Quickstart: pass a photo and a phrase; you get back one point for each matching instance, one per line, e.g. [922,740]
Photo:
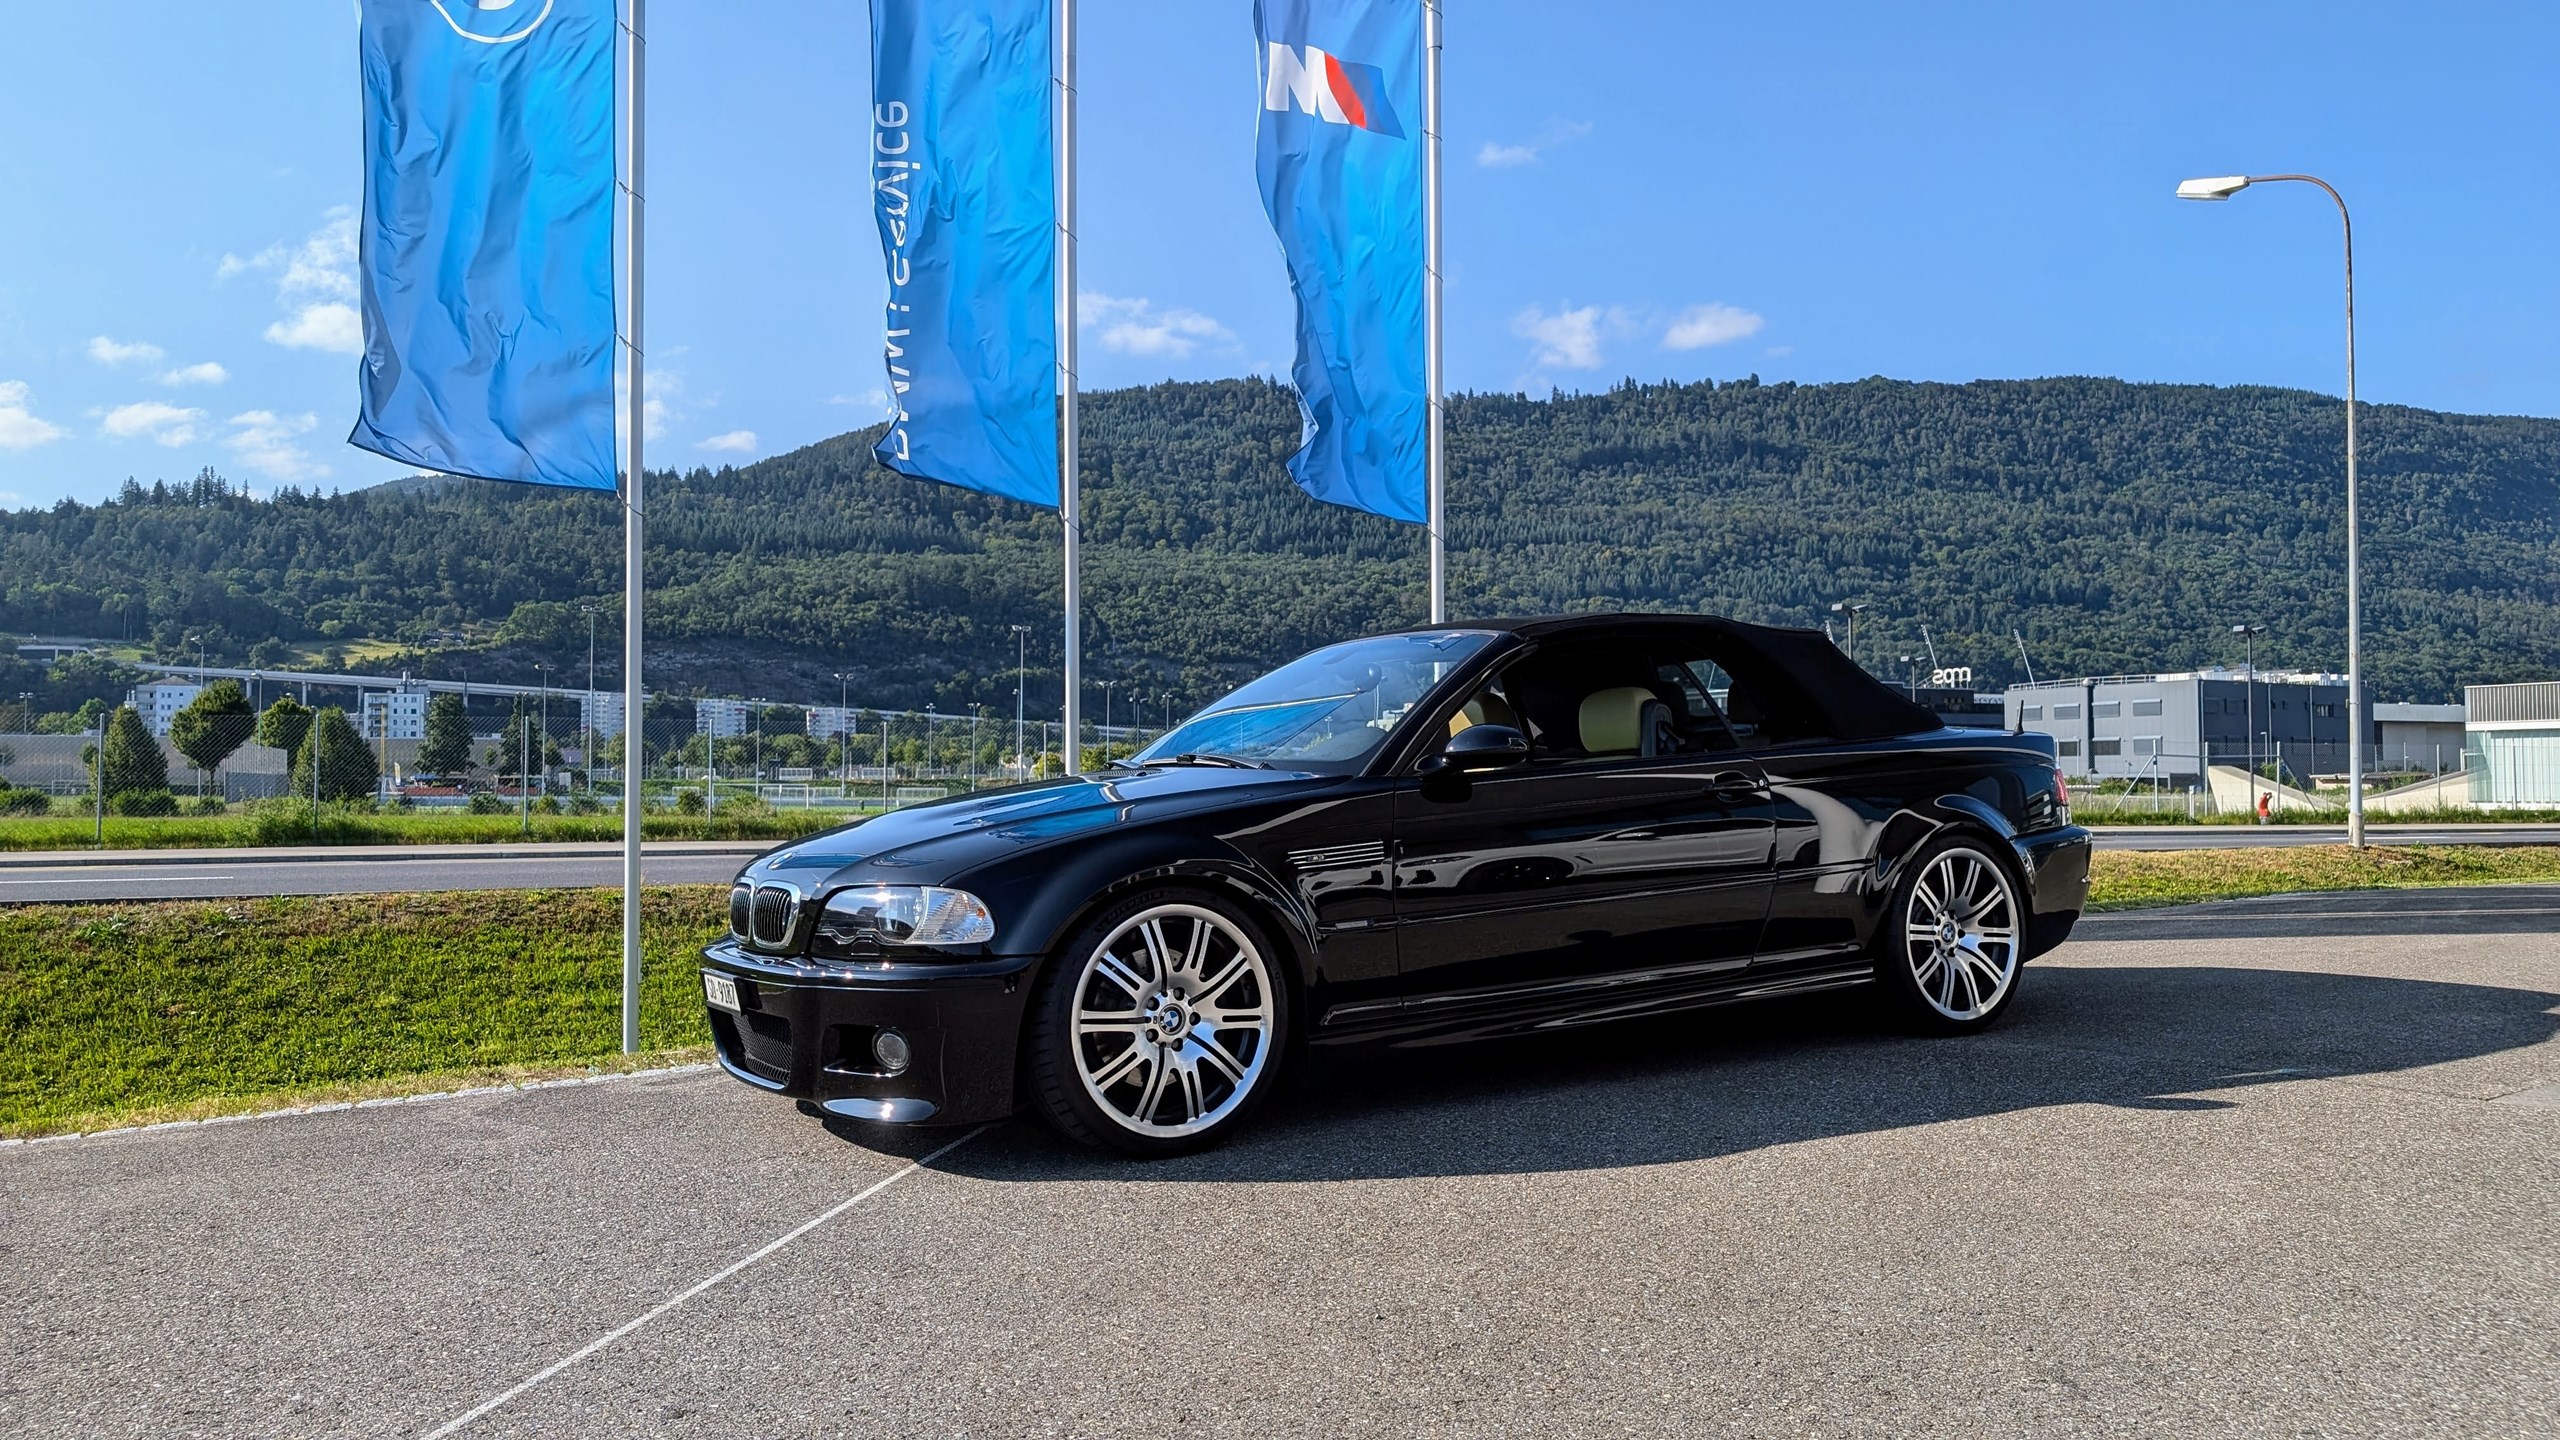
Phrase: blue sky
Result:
[1657,190]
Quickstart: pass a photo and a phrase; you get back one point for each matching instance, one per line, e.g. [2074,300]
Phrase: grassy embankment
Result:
[129,1013]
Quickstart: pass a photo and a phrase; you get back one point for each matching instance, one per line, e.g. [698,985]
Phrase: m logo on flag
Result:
[1334,90]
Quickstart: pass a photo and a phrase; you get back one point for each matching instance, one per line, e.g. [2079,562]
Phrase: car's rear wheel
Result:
[1159,1026]
[1950,951]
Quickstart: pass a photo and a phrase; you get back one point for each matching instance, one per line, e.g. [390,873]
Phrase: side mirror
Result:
[1479,748]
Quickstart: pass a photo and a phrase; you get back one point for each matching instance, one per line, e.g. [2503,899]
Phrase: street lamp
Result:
[2249,705]
[2223,187]
[587,711]
[977,712]
[930,719]
[1021,669]
[844,729]
[1106,720]
[546,726]
[1850,609]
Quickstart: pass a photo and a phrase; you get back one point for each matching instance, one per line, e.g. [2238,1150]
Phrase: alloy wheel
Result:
[1173,1021]
[1960,934]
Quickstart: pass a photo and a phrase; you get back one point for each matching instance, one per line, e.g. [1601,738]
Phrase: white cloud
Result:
[1494,155]
[332,327]
[1700,326]
[120,352]
[1570,339]
[264,441]
[1132,325]
[152,420]
[874,398]
[19,427]
[315,282]
[207,373]
[735,442]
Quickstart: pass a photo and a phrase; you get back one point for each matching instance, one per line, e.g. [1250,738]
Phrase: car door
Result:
[1567,872]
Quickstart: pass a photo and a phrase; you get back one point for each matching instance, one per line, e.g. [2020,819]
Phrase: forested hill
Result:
[2119,527]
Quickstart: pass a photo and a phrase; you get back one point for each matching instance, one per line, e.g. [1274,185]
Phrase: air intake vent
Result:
[1341,857]
[742,910]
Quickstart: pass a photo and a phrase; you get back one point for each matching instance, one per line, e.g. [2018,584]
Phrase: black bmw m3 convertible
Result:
[1467,830]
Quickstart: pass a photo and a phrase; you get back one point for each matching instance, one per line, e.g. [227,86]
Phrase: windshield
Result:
[1328,710]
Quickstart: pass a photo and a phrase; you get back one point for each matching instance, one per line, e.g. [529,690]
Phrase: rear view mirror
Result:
[1483,747]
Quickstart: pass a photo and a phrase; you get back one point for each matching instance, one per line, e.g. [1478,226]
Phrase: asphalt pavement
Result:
[355,870]
[2278,1167]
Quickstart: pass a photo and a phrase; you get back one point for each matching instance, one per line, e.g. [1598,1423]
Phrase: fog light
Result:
[892,1051]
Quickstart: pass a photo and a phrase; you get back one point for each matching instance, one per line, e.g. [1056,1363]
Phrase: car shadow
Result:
[1725,1081]
[2481,910]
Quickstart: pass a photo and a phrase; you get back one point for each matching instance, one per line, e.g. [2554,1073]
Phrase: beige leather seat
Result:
[1486,709]
[1623,720]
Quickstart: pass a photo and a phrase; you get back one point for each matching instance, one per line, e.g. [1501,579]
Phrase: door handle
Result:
[1734,785]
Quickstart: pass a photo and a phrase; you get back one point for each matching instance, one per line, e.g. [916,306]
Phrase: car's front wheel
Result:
[1951,948]
[1159,1026]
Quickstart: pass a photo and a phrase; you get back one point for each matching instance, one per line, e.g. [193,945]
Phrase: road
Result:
[2278,1167]
[211,874]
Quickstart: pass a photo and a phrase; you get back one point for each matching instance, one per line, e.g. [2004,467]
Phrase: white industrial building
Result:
[160,701]
[826,722]
[394,715]
[722,719]
[2514,743]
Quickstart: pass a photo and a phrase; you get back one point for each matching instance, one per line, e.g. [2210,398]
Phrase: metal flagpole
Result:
[1070,487]
[633,699]
[1437,500]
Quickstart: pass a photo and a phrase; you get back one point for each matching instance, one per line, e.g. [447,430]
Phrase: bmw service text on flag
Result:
[487,246]
[1341,166]
[962,185]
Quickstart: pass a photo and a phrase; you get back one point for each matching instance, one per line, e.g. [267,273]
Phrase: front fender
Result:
[1042,897]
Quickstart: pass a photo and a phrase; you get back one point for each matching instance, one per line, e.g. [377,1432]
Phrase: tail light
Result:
[2061,797]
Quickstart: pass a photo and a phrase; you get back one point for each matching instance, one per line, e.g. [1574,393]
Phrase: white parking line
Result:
[591,1347]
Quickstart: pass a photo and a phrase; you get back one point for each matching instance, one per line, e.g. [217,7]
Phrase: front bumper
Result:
[2057,866]
[805,1029]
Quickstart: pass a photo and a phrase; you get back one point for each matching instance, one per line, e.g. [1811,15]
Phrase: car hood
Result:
[925,844]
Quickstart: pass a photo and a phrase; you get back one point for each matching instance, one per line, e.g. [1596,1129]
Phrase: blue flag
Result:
[487,246]
[1340,160]
[965,195]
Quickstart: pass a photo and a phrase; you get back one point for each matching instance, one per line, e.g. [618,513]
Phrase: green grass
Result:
[347,827]
[128,1013]
[113,1013]
[2135,879]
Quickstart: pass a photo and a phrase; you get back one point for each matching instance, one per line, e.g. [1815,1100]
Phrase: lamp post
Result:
[1021,668]
[545,671]
[2223,187]
[932,721]
[2249,705]
[587,711]
[1850,609]
[977,712]
[1106,720]
[844,730]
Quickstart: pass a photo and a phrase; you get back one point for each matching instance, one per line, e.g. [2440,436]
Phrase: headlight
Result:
[856,920]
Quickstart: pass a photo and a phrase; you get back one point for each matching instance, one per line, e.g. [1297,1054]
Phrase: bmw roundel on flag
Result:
[1340,160]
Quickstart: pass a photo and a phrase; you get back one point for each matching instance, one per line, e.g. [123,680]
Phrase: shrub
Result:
[585,805]
[24,802]
[484,803]
[142,802]
[689,802]
[206,805]
[547,805]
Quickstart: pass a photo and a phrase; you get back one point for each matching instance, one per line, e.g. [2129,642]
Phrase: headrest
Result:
[1613,720]
[1486,709]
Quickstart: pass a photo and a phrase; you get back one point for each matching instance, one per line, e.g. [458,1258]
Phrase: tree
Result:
[212,726]
[447,750]
[347,767]
[284,724]
[132,763]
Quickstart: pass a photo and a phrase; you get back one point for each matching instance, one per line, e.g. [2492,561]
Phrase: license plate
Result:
[720,990]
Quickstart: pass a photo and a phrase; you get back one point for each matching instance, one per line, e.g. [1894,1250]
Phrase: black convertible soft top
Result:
[1804,664]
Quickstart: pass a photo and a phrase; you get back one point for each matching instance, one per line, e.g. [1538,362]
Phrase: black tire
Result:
[1159,1026]
[1962,973]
